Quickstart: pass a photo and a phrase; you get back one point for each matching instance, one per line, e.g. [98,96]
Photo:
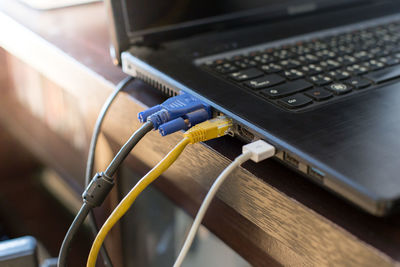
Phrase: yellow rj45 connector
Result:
[208,130]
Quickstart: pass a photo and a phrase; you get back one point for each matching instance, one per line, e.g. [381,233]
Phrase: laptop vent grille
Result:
[156,84]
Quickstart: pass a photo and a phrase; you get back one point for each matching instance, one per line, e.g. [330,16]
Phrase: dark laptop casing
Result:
[354,143]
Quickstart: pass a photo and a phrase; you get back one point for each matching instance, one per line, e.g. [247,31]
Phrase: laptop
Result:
[318,79]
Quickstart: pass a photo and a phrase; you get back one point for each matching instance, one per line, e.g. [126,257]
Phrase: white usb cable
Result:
[256,151]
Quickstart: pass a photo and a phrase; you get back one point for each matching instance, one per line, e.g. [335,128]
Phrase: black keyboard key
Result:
[342,50]
[308,59]
[316,45]
[375,51]
[389,61]
[264,59]
[339,88]
[293,74]
[325,54]
[245,63]
[357,69]
[286,89]
[311,69]
[358,82]
[271,68]
[226,68]
[247,74]
[241,65]
[282,54]
[320,79]
[265,81]
[384,75]
[382,53]
[362,55]
[373,65]
[290,63]
[330,64]
[339,74]
[249,62]
[318,94]
[295,101]
[346,60]
[301,50]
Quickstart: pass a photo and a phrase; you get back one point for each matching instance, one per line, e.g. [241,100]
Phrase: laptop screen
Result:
[149,16]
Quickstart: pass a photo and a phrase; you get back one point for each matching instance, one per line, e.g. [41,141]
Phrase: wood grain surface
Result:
[267,213]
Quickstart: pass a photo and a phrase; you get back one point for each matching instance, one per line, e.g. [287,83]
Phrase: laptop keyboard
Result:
[306,74]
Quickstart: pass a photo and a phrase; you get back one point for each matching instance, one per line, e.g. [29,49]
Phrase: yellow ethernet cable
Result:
[204,131]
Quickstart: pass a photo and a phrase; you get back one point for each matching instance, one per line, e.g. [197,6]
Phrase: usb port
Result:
[315,173]
[291,160]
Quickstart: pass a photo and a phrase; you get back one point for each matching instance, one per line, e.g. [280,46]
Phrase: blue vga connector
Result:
[177,113]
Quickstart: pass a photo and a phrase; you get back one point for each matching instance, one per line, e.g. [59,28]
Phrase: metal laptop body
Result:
[349,146]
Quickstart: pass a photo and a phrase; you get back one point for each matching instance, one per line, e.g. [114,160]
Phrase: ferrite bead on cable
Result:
[98,189]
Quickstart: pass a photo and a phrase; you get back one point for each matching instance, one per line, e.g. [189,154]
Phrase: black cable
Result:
[98,189]
[73,229]
[87,208]
[97,128]
[127,148]
[90,161]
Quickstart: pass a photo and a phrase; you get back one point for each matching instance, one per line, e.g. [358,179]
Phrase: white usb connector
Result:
[260,150]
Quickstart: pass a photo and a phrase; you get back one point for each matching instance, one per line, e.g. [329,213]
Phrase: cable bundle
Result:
[182,112]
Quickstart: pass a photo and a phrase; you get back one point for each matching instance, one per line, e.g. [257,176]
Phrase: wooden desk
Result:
[268,214]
